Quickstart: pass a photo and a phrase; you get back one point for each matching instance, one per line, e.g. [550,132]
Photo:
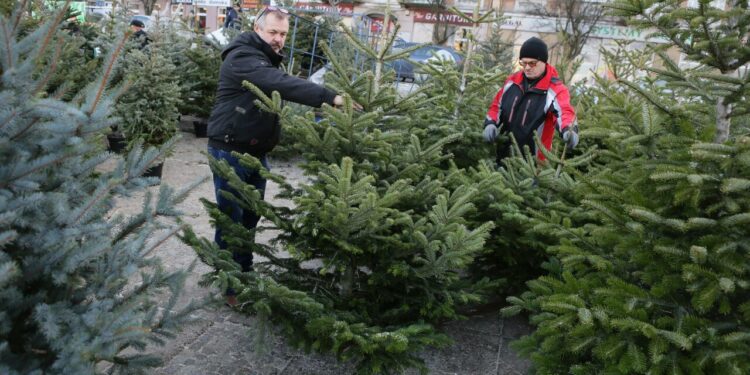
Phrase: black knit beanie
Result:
[534,48]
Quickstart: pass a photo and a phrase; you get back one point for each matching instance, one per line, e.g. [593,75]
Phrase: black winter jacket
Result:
[236,123]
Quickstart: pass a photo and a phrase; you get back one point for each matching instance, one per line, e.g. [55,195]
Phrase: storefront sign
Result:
[189,2]
[213,3]
[424,16]
[251,4]
[618,32]
[345,10]
[550,25]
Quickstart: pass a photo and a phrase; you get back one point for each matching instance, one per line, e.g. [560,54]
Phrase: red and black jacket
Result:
[542,108]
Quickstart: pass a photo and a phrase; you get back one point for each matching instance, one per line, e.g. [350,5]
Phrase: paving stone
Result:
[510,363]
[516,327]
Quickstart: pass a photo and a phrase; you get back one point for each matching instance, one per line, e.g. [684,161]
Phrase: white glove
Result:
[490,132]
[570,136]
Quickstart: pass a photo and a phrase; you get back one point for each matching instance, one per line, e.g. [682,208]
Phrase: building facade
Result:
[430,21]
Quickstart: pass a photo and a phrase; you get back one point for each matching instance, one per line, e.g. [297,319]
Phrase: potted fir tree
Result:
[202,78]
[148,110]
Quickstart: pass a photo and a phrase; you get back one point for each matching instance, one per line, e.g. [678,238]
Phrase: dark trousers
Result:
[248,219]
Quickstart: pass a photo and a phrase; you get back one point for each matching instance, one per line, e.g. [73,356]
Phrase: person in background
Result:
[140,35]
[232,20]
[237,124]
[533,99]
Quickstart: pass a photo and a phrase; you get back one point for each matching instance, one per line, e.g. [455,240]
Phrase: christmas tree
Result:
[654,279]
[378,242]
[147,111]
[80,290]
[200,77]
[512,193]
[495,49]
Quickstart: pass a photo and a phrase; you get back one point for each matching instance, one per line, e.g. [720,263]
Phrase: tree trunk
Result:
[347,280]
[723,123]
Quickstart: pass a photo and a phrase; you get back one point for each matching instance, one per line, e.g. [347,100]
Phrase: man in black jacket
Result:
[237,124]
[139,35]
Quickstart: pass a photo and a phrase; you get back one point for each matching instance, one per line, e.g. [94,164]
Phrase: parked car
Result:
[223,36]
[404,68]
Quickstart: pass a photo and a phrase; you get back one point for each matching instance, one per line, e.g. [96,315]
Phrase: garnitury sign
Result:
[425,16]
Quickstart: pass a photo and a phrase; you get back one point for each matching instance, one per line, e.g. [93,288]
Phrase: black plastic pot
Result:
[154,171]
[117,143]
[200,129]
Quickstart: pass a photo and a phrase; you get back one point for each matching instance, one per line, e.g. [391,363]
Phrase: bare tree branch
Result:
[575,20]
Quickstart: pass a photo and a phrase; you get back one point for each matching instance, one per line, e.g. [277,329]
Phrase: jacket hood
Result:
[252,39]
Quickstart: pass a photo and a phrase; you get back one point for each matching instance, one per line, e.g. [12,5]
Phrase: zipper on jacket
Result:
[512,109]
[525,112]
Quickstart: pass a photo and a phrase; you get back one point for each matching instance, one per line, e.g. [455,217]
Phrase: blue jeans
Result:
[248,219]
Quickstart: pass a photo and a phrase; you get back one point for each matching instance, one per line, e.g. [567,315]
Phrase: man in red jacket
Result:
[533,99]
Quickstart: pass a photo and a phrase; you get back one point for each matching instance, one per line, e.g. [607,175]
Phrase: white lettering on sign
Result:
[430,17]
[549,25]
[344,9]
[213,3]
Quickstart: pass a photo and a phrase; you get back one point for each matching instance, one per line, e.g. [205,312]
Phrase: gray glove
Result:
[490,132]
[570,136]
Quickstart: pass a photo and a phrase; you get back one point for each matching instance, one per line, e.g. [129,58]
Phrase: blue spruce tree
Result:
[78,286]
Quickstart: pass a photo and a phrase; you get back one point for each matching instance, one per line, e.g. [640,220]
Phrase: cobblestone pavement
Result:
[222,341]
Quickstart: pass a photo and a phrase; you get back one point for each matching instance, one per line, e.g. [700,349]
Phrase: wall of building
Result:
[417,20]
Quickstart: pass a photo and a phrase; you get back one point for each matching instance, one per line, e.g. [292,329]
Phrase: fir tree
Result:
[510,196]
[379,244]
[714,38]
[200,77]
[76,59]
[495,50]
[80,290]
[148,109]
[654,281]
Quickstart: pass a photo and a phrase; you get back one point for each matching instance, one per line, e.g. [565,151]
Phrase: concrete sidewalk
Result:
[224,342]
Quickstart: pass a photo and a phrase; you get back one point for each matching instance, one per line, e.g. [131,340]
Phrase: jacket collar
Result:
[543,84]
[253,40]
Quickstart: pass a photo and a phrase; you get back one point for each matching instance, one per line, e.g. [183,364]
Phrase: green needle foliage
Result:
[653,280]
[148,109]
[374,252]
[80,289]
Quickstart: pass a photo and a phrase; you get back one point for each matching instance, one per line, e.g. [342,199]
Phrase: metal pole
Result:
[312,55]
[330,39]
[294,37]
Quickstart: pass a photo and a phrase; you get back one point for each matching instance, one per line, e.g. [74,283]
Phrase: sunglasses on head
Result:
[530,64]
[272,9]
